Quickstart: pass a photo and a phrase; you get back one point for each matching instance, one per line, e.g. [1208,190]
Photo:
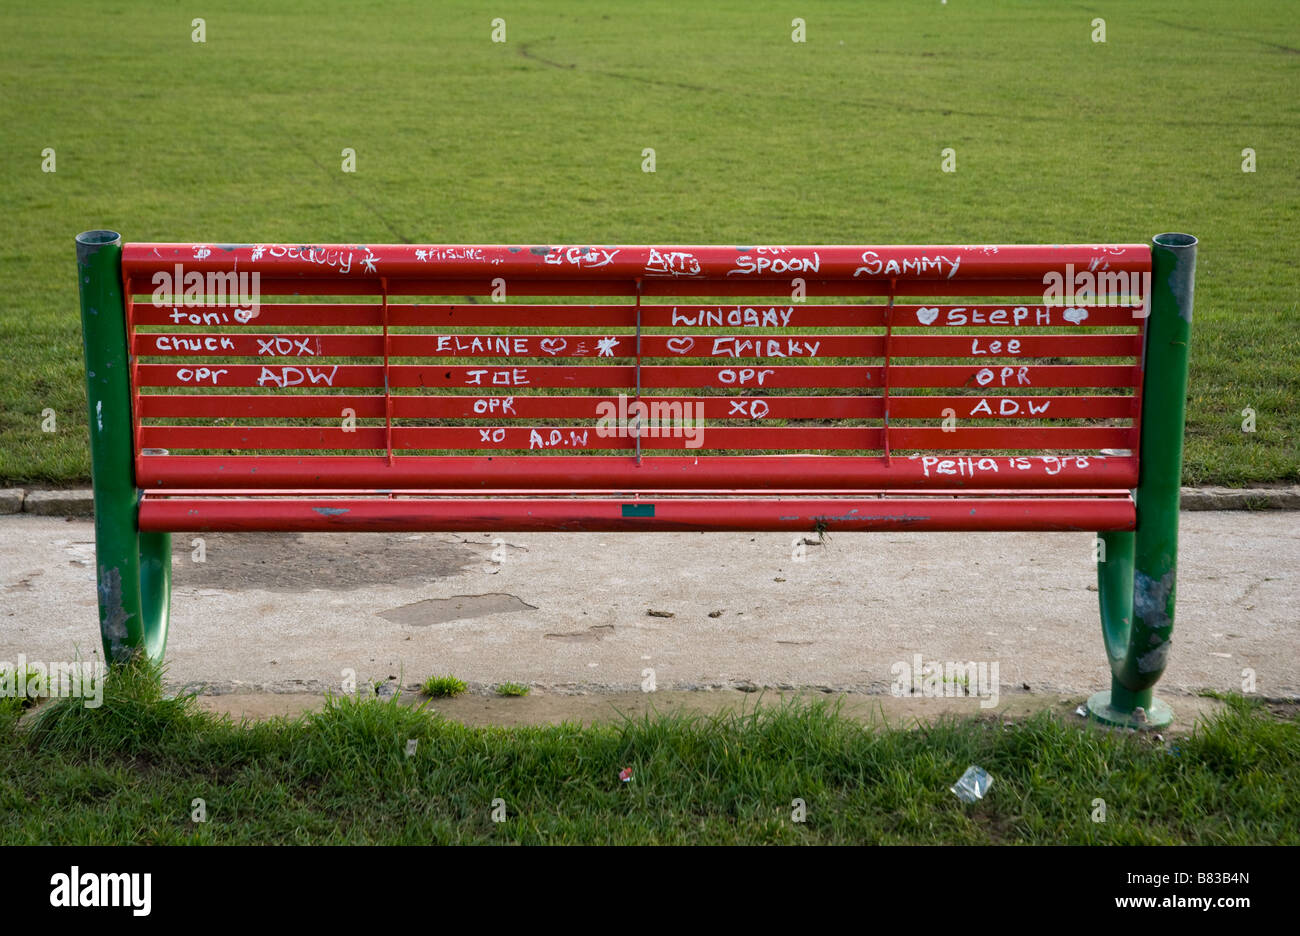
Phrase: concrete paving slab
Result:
[569,612]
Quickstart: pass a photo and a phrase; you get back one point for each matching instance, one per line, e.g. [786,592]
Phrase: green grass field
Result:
[129,772]
[757,138]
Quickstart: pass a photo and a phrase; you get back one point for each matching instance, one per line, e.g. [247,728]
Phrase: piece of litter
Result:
[1082,711]
[972,786]
[653,613]
[625,774]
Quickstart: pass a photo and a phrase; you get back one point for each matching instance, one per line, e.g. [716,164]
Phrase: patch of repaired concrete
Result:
[300,562]
[456,608]
[590,635]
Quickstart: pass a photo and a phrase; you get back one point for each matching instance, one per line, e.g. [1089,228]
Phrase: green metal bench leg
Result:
[155,591]
[1136,582]
[133,569]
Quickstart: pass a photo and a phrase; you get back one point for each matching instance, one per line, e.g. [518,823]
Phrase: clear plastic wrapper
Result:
[972,785]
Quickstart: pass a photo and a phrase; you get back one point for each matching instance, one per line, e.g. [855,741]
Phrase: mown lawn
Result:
[132,771]
[758,139]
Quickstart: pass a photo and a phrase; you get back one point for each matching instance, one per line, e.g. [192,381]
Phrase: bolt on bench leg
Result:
[133,571]
[1136,582]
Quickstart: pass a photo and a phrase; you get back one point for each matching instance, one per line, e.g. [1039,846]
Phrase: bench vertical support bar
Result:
[889,339]
[1137,582]
[129,623]
[639,409]
[388,382]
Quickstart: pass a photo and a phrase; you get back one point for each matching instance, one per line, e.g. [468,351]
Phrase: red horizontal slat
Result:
[290,494]
[682,266]
[619,346]
[262,437]
[740,375]
[259,406]
[280,406]
[1027,289]
[620,315]
[1044,406]
[484,472]
[1012,346]
[976,438]
[538,438]
[560,439]
[569,514]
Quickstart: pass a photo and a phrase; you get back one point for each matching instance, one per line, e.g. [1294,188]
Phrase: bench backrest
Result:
[507,367]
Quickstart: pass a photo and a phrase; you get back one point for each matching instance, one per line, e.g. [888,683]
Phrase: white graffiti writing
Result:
[872,265]
[739,317]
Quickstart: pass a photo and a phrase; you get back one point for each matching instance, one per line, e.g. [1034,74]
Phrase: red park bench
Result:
[276,387]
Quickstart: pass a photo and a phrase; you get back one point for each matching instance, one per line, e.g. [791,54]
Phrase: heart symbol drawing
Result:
[1074,316]
[926,316]
[553,346]
[680,345]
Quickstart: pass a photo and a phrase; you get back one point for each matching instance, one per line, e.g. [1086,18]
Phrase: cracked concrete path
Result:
[572,612]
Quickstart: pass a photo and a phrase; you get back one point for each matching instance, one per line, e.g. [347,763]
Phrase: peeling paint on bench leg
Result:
[331,511]
[113,616]
[1150,598]
[1154,662]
